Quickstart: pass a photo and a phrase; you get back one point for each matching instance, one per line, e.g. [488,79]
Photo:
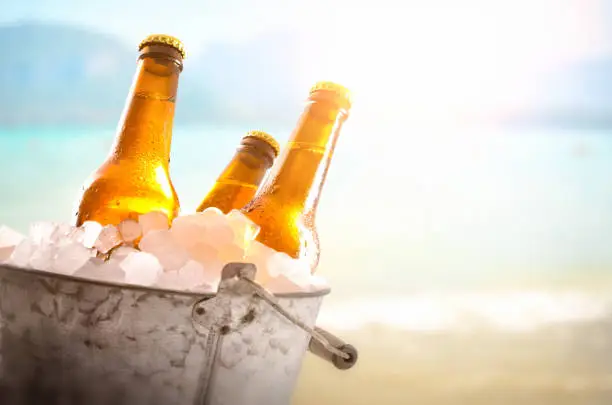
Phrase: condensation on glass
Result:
[285,204]
[238,182]
[135,177]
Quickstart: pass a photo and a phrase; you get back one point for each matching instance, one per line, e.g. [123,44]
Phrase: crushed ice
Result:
[188,255]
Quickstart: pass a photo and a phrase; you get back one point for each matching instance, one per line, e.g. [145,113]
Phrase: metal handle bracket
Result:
[239,279]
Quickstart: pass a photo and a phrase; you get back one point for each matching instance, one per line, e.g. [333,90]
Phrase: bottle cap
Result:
[265,137]
[161,39]
[342,93]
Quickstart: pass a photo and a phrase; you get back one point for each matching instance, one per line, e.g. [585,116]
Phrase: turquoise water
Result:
[402,208]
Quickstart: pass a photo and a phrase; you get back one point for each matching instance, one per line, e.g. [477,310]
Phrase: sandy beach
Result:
[564,364]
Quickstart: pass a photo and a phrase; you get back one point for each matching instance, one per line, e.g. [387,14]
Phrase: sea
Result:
[469,265]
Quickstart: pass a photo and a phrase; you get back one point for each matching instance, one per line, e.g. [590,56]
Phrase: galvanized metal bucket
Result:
[66,340]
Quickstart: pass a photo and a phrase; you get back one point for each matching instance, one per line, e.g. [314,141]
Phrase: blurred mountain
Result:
[57,75]
[65,75]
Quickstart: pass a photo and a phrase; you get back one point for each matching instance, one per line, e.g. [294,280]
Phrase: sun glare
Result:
[446,60]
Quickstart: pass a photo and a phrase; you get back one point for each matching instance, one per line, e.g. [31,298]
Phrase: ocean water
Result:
[402,210]
[471,265]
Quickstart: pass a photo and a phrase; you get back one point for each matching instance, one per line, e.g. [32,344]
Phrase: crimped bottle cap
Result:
[265,137]
[339,91]
[161,39]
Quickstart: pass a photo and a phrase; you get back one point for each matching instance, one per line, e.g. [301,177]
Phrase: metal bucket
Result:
[66,340]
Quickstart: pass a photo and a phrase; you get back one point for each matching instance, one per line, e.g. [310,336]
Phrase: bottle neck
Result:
[145,128]
[299,175]
[247,167]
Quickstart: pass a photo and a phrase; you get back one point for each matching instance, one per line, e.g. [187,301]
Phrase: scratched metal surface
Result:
[68,341]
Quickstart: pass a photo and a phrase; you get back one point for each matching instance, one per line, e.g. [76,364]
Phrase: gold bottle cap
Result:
[340,91]
[161,39]
[265,137]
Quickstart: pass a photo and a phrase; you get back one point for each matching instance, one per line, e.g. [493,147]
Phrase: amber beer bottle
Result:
[240,179]
[134,179]
[285,204]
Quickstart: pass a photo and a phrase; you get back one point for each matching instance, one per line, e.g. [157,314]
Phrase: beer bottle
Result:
[134,179]
[238,183]
[285,204]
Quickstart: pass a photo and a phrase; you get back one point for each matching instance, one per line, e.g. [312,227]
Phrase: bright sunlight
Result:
[449,60]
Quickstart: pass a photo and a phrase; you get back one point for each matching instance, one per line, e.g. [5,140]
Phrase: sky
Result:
[499,50]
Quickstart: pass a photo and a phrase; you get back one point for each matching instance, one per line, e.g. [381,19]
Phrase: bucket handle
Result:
[322,343]
[343,360]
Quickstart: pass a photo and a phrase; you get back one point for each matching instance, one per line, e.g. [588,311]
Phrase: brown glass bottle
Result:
[285,204]
[240,179]
[135,179]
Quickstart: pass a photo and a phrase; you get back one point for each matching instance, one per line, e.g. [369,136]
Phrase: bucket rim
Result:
[147,289]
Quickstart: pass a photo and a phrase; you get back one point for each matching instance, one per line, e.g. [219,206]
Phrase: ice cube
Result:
[212,274]
[188,230]
[5,253]
[9,237]
[70,258]
[129,230]
[122,252]
[160,243]
[44,237]
[192,275]
[205,254]
[219,234]
[97,269]
[141,268]
[231,252]
[244,229]
[189,277]
[211,215]
[42,257]
[75,235]
[297,271]
[63,234]
[91,232]
[153,221]
[42,232]
[109,238]
[170,280]
[282,284]
[21,254]
[259,254]
[208,257]
[277,263]
[202,219]
[317,282]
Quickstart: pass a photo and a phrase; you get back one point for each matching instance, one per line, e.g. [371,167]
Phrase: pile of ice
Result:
[189,255]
